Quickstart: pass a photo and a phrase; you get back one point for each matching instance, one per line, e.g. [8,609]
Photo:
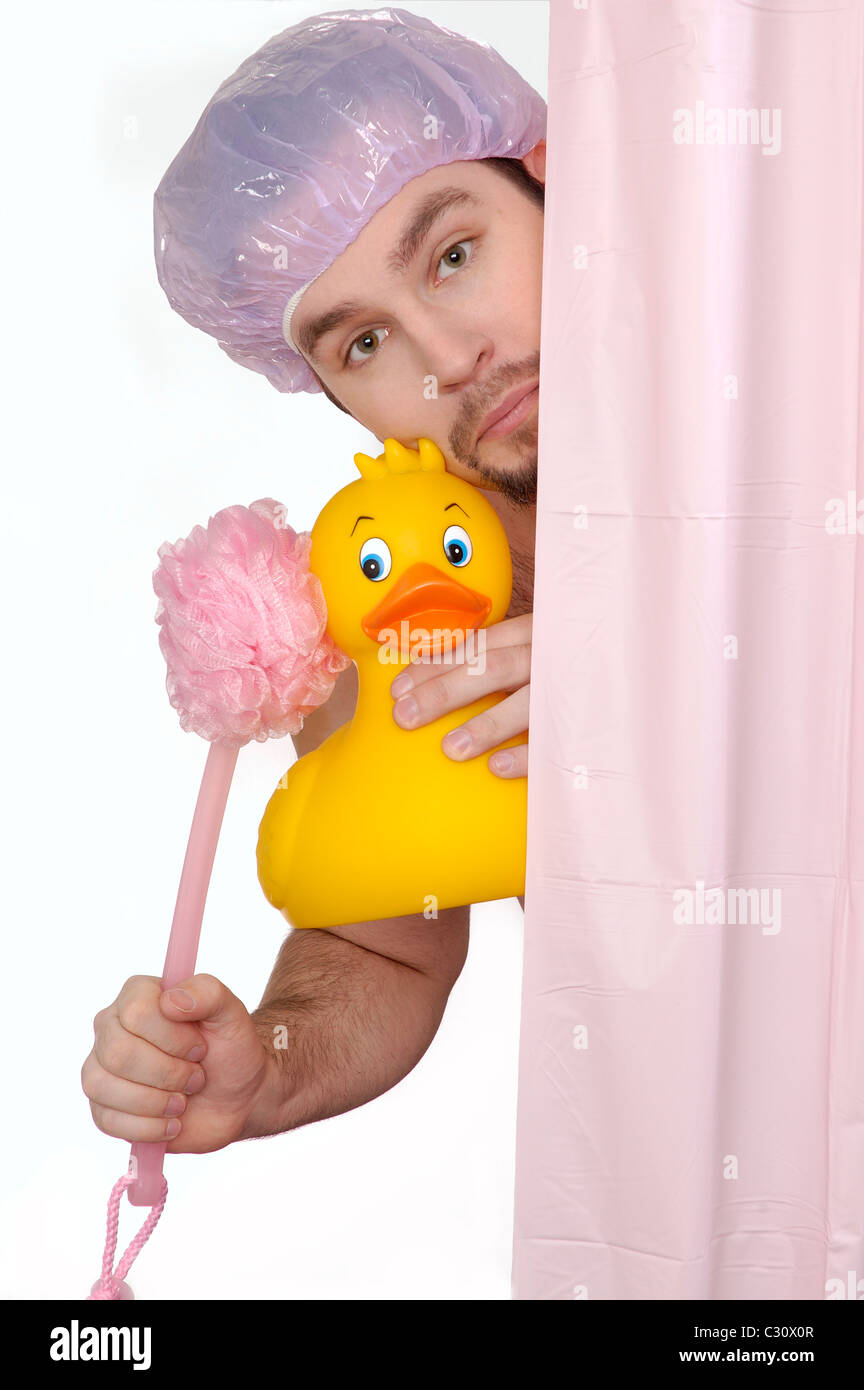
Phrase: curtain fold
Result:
[691,1078]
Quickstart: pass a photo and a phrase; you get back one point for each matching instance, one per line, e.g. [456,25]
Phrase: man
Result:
[419,317]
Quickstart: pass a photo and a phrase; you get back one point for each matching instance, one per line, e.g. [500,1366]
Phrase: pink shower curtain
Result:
[691,1088]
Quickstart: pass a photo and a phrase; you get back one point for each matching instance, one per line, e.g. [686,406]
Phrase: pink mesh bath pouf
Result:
[242,628]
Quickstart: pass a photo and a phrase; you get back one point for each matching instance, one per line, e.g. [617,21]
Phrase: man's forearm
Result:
[342,1025]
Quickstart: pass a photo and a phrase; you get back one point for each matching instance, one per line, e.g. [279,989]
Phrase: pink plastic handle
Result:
[147,1159]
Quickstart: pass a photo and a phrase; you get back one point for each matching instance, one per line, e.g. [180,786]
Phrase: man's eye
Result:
[366,344]
[454,258]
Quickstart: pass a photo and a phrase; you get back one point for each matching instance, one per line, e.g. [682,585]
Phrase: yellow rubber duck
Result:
[378,821]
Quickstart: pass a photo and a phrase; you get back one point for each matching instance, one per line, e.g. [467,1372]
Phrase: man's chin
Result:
[507,466]
[519,486]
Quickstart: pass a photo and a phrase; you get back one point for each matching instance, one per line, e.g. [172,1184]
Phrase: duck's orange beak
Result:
[428,599]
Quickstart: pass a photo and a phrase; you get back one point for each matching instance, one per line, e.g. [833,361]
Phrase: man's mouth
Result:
[430,600]
[512,410]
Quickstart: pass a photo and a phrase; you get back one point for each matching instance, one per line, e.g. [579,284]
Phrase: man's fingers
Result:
[111,1096]
[130,1058]
[135,1129]
[504,668]
[513,632]
[503,721]
[138,1010]
[510,762]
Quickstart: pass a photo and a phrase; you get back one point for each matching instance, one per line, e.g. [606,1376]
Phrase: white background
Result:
[126,428]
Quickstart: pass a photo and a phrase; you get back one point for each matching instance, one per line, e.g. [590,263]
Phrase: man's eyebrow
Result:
[422,222]
[412,237]
[360,518]
[456,504]
[310,334]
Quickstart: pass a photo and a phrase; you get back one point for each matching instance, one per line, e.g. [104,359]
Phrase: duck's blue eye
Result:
[375,559]
[457,545]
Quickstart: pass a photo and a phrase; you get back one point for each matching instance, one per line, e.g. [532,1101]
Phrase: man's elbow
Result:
[436,947]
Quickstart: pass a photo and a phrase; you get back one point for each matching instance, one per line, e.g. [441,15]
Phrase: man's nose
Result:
[452,349]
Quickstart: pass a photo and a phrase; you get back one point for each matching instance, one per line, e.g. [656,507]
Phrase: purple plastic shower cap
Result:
[300,148]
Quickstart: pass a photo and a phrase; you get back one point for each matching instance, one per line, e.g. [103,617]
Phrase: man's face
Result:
[443,324]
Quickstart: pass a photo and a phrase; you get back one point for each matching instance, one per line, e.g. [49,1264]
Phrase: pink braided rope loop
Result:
[110,1285]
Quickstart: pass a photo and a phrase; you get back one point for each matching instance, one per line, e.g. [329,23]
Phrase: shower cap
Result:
[301,146]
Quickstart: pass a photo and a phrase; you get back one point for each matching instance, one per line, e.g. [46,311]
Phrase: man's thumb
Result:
[202,998]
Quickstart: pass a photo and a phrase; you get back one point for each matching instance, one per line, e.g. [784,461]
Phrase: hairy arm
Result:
[349,1011]
[343,1019]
